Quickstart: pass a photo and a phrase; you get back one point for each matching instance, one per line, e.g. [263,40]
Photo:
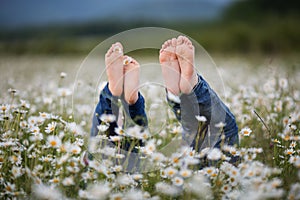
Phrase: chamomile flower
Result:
[226,188]
[119,131]
[16,171]
[185,173]
[102,127]
[170,171]
[53,141]
[178,181]
[115,138]
[68,181]
[246,131]
[177,130]
[50,127]
[75,149]
[108,118]
[290,151]
[150,147]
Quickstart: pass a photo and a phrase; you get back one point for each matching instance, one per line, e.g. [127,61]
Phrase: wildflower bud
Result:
[12,91]
[63,75]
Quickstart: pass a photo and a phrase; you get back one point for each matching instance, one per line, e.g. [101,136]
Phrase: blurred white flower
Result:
[119,131]
[108,118]
[115,138]
[16,171]
[74,129]
[220,125]
[173,97]
[178,181]
[63,74]
[42,191]
[64,92]
[283,83]
[150,147]
[125,179]
[166,189]
[102,127]
[201,118]
[68,181]
[214,154]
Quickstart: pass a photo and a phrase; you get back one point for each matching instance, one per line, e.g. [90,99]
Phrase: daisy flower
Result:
[178,181]
[102,127]
[150,147]
[115,138]
[170,171]
[75,149]
[50,127]
[16,171]
[108,118]
[54,141]
[246,131]
[68,181]
[185,173]
[119,131]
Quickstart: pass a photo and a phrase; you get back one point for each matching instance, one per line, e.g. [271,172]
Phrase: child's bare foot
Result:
[170,66]
[114,68]
[185,53]
[131,79]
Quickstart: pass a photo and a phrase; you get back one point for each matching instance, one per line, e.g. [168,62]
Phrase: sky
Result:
[22,13]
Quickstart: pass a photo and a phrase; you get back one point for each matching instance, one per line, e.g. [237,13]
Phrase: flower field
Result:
[44,133]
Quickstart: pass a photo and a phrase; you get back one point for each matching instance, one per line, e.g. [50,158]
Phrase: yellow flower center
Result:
[53,143]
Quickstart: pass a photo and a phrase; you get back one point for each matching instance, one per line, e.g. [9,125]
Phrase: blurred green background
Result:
[220,26]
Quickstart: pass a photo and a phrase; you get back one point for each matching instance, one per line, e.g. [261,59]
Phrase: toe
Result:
[180,40]
[173,42]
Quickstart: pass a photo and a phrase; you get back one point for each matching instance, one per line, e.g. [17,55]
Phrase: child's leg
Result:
[134,104]
[199,99]
[108,100]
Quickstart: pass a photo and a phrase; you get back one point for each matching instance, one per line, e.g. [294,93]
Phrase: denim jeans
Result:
[202,101]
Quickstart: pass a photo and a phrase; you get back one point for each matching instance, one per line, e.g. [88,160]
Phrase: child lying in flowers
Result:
[188,94]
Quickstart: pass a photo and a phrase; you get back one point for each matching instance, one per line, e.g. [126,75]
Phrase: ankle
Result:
[132,99]
[114,91]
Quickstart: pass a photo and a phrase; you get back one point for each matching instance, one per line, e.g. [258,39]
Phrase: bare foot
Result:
[185,53]
[114,68]
[131,79]
[170,66]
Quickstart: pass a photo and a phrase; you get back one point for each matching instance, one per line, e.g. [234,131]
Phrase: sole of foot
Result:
[185,52]
[114,68]
[131,80]
[170,66]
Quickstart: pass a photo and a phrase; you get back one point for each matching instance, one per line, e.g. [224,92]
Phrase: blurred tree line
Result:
[246,26]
